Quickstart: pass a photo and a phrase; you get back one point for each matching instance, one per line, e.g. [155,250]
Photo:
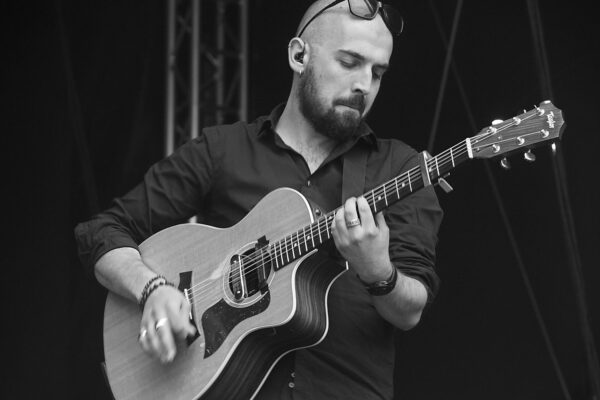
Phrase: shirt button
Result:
[291,385]
[293,374]
[308,182]
[317,212]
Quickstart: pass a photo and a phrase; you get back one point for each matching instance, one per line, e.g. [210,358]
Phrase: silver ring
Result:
[160,323]
[142,334]
[353,222]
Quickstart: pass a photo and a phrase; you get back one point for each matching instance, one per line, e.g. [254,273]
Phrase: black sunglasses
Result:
[368,9]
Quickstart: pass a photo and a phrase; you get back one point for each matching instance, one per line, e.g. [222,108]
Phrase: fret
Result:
[319,230]
[303,241]
[275,253]
[373,200]
[293,246]
[281,252]
[304,234]
[385,196]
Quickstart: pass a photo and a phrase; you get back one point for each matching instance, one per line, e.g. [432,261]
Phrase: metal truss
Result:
[207,66]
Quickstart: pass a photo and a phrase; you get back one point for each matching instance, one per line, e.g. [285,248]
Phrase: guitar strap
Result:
[354,172]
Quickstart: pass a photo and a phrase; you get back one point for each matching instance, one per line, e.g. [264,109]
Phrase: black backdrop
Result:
[83,75]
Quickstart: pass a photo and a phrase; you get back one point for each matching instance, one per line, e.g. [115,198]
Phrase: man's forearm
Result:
[403,306]
[123,272]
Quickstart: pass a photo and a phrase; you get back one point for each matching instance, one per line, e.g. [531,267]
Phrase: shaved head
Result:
[339,61]
[318,28]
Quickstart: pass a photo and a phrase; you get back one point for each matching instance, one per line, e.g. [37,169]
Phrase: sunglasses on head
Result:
[368,9]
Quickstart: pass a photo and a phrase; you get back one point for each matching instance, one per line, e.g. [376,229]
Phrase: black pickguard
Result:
[221,318]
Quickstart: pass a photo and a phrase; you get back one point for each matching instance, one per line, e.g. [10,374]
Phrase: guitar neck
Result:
[381,197]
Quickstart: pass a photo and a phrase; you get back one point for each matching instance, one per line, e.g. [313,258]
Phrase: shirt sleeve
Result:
[414,224]
[171,192]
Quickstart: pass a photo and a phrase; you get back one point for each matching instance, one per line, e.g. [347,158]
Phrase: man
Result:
[341,51]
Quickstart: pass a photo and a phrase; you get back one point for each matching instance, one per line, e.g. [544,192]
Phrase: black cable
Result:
[506,222]
[447,62]
[560,178]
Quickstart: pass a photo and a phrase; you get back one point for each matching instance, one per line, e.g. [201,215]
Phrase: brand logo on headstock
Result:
[550,120]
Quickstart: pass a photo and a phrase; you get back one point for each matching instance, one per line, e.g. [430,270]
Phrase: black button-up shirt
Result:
[222,174]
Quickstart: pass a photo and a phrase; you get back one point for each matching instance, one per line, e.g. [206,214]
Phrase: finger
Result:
[380,220]
[350,211]
[180,321]
[185,310]
[339,228]
[146,335]
[165,339]
[143,339]
[153,341]
[366,216]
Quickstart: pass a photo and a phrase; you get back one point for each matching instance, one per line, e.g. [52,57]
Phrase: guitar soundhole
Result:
[249,273]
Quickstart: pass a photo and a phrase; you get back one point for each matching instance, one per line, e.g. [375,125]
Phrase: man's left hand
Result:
[362,239]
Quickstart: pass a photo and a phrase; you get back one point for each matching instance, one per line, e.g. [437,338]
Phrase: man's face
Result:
[343,75]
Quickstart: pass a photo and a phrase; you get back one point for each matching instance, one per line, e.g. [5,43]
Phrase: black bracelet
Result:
[152,289]
[147,286]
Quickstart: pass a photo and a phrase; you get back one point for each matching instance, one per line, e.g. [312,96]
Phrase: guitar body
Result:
[240,339]
[249,313]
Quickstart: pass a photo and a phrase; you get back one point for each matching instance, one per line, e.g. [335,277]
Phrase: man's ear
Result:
[297,55]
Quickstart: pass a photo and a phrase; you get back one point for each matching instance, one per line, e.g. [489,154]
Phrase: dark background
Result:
[90,75]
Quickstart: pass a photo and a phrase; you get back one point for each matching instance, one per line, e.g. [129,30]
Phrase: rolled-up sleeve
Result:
[414,223]
[171,192]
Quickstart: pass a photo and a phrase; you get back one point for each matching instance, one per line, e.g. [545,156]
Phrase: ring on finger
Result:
[353,222]
[160,323]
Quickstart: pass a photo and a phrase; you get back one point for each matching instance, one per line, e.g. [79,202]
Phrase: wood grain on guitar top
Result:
[295,315]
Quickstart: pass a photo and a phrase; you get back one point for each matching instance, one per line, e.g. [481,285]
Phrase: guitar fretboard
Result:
[310,237]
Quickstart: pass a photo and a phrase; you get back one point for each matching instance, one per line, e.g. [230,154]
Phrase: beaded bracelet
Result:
[150,286]
[152,289]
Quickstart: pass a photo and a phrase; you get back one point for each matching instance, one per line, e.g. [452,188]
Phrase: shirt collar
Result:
[366,134]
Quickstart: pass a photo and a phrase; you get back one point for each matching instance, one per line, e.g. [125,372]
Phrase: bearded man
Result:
[311,144]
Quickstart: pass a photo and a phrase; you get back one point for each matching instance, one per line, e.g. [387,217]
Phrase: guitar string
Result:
[284,251]
[433,162]
[252,263]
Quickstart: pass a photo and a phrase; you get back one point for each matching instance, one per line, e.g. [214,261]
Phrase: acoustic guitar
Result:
[253,299]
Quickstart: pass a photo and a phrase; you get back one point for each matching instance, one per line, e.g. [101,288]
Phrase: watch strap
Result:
[381,288]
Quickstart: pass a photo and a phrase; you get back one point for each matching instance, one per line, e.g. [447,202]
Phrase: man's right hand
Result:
[165,320]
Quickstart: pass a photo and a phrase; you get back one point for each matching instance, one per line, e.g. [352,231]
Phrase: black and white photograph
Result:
[301,200]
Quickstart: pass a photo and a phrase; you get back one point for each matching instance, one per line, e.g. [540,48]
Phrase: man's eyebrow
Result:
[360,57]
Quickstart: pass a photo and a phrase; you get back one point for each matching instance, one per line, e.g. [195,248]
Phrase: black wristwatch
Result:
[381,288]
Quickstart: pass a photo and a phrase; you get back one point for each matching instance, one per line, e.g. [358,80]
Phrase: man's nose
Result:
[362,82]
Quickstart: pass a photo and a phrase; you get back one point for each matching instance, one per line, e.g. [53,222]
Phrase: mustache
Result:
[356,101]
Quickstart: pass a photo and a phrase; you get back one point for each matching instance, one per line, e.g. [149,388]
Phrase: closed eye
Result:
[348,63]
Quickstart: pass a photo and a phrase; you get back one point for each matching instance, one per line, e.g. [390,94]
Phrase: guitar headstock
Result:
[520,133]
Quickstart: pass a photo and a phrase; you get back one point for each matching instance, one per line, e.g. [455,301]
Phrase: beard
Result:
[336,125]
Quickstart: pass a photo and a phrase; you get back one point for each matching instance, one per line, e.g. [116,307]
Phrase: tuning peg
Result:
[529,156]
[504,163]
